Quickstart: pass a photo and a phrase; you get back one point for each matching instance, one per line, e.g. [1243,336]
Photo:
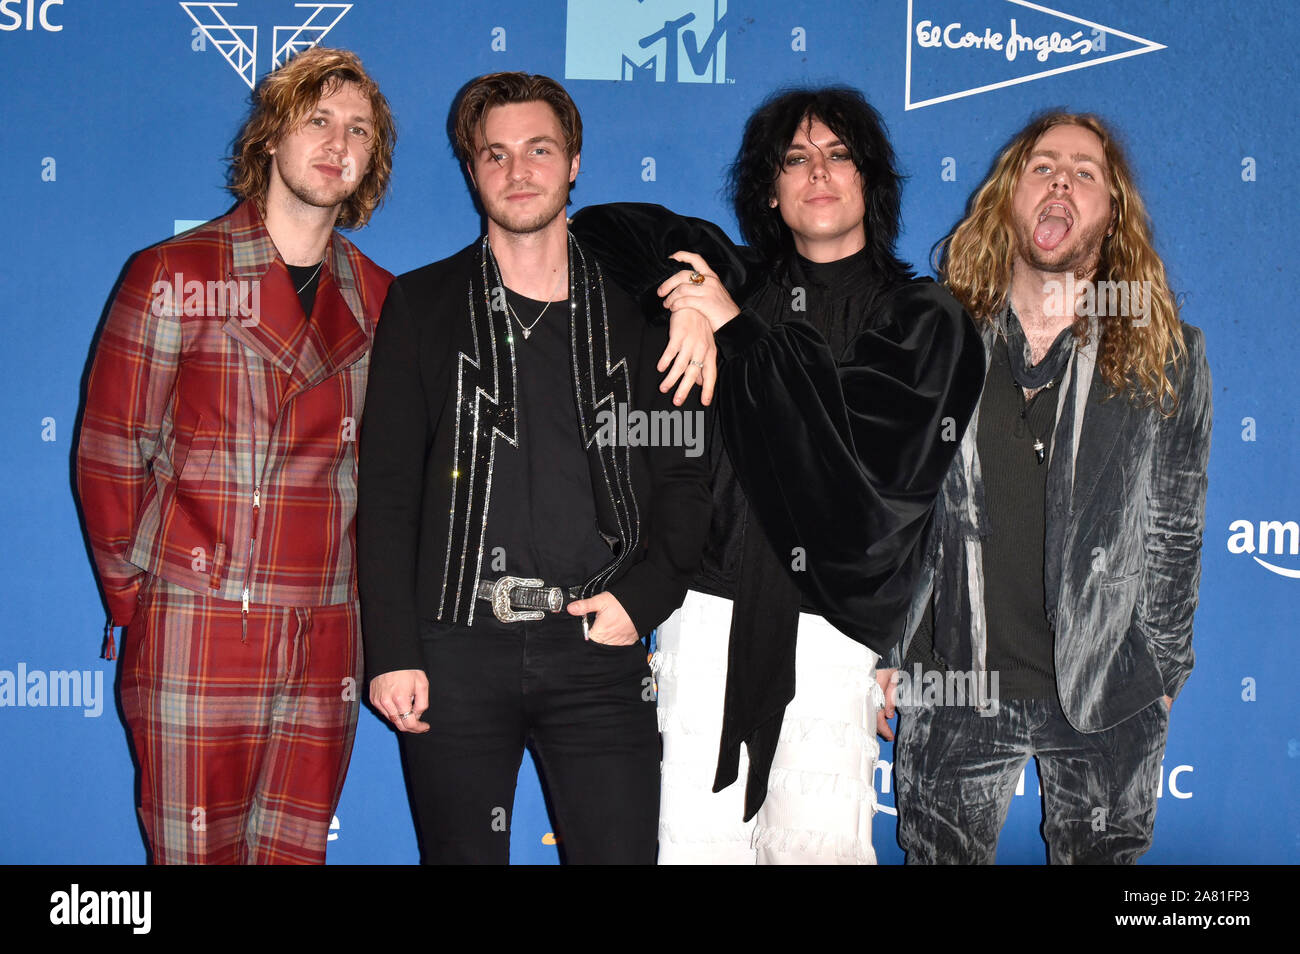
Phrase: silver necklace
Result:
[528,329]
[313,276]
[1040,449]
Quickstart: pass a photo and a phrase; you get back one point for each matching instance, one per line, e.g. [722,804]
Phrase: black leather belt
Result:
[517,599]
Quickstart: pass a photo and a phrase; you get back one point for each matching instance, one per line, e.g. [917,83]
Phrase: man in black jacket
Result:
[503,503]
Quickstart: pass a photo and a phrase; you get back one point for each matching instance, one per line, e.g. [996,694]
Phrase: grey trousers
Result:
[956,771]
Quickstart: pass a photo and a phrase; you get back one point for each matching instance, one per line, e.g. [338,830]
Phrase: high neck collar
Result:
[839,278]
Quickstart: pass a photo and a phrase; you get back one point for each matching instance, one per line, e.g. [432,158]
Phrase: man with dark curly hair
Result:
[217,475]
[843,386]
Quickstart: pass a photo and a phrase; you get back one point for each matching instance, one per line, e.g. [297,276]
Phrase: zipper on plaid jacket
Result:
[252,541]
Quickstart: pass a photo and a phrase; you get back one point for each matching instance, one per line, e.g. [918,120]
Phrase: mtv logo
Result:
[662,41]
[643,71]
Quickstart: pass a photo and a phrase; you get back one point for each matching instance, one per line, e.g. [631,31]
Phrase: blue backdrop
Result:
[118,114]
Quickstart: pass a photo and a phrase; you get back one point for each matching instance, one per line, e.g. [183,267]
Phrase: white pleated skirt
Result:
[820,795]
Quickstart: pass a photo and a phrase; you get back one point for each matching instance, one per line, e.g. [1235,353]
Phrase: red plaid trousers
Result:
[242,741]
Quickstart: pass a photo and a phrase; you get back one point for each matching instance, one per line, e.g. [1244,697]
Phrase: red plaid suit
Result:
[217,475]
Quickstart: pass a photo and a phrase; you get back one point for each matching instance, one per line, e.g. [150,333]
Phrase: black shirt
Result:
[1020,645]
[839,299]
[542,517]
[305,280]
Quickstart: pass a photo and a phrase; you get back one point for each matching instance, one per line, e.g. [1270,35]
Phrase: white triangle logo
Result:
[237,42]
[1076,37]
[307,34]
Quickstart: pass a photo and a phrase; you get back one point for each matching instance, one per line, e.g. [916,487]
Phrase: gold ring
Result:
[697,278]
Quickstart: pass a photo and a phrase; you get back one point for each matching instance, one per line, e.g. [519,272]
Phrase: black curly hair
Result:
[752,179]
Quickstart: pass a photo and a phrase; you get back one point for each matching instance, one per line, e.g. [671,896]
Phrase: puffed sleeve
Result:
[632,241]
[842,460]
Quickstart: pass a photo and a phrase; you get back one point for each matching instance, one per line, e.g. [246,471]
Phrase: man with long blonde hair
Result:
[217,474]
[1066,550]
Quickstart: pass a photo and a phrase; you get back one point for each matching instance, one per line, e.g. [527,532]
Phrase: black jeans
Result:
[587,709]
[955,772]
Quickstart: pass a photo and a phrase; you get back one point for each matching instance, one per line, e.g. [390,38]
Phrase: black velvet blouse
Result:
[841,401]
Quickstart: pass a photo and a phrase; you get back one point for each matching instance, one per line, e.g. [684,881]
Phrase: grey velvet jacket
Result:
[1133,503]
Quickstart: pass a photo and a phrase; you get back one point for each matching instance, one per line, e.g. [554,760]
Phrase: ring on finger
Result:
[403,715]
[696,364]
[696,278]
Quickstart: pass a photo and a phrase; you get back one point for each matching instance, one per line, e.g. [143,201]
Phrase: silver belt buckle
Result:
[502,610]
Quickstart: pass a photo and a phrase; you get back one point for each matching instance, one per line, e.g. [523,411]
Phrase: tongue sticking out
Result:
[1050,232]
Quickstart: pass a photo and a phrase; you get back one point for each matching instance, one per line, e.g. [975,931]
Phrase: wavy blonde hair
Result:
[977,258]
[284,100]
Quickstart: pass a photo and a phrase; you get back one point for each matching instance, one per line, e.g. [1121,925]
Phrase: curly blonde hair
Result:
[1137,360]
[284,100]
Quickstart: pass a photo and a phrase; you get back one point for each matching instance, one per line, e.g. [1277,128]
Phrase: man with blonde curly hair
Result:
[217,474]
[1066,553]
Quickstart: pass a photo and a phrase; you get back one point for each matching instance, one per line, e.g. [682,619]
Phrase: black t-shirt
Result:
[306,279]
[542,515]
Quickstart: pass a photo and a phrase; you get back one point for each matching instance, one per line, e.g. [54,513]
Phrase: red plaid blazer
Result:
[218,446]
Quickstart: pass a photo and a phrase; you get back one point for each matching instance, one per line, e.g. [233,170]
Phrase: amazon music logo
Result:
[29,15]
[1267,538]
